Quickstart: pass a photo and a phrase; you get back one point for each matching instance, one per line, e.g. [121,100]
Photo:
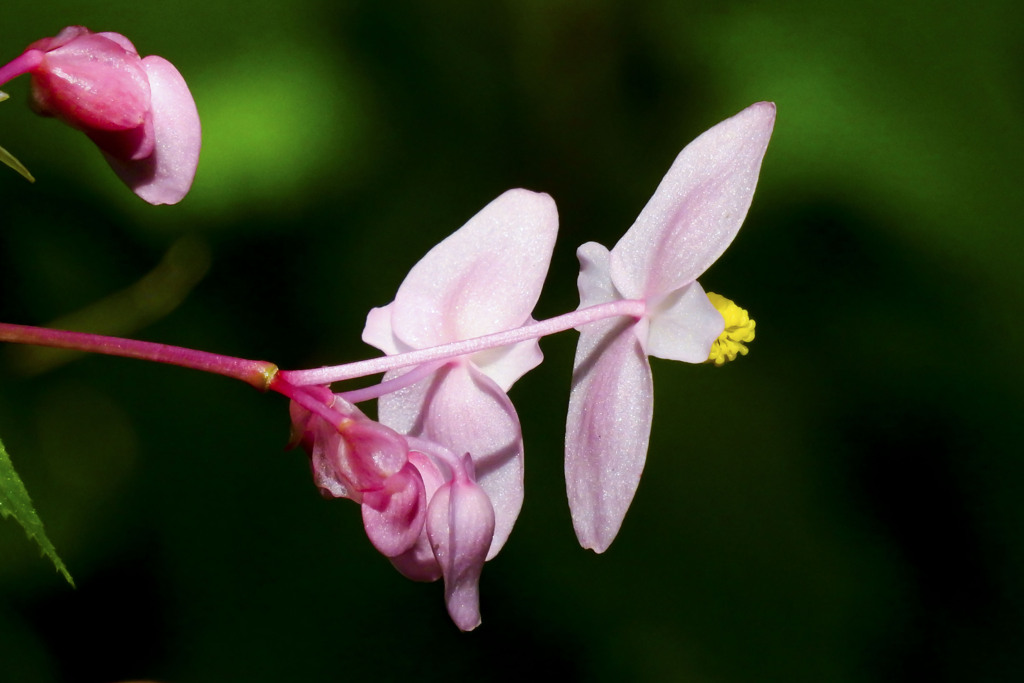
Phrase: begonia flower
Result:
[692,217]
[138,110]
[484,278]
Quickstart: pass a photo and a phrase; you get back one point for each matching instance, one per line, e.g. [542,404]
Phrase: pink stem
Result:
[22,64]
[305,398]
[391,385]
[624,308]
[258,373]
[428,447]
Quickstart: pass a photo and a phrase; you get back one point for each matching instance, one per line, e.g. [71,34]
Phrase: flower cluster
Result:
[440,476]
[138,110]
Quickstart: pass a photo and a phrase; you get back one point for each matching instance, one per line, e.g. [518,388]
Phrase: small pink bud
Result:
[138,111]
[460,525]
[393,516]
[356,458]
[349,457]
[418,562]
[90,82]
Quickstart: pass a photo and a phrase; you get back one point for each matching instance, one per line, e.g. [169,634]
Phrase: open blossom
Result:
[440,478]
[692,217]
[138,110]
[484,278]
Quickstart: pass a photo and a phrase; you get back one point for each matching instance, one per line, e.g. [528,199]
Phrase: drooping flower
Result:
[484,278]
[426,513]
[692,217]
[356,458]
[138,111]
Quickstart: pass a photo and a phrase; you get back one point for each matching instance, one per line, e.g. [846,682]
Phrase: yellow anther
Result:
[739,328]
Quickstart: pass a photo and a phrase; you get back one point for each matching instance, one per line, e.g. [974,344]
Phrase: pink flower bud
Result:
[138,111]
[393,515]
[460,525]
[351,456]
[418,562]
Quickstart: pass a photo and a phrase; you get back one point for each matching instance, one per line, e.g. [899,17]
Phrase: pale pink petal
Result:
[697,209]
[683,325]
[165,177]
[462,409]
[403,410]
[378,332]
[506,364]
[607,430]
[595,280]
[486,277]
[459,524]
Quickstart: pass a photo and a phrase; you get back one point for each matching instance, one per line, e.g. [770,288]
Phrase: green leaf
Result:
[14,502]
[8,158]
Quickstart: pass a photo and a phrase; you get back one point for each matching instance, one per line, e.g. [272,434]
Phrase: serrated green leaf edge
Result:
[14,502]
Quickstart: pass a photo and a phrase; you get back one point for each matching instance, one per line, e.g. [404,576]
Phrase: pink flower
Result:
[689,221]
[139,111]
[426,513]
[484,278]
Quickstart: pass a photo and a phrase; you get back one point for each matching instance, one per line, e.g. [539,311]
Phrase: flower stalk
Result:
[256,373]
[443,352]
[265,376]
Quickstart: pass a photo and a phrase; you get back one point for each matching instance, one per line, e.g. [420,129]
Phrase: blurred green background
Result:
[841,505]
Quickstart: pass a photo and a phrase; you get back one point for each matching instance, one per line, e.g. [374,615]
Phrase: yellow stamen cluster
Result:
[739,328]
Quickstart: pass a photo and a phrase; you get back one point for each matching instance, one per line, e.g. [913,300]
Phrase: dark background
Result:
[841,505]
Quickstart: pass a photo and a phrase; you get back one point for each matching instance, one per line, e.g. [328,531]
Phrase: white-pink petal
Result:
[683,325]
[378,332]
[607,430]
[697,209]
[595,280]
[486,277]
[165,176]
